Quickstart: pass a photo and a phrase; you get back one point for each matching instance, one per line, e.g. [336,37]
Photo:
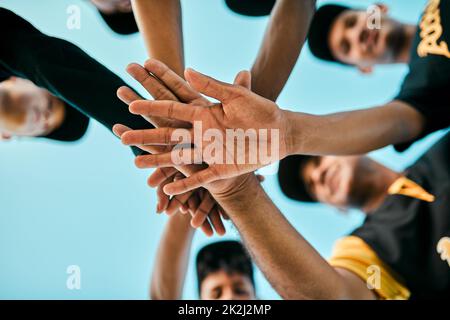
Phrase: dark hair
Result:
[229,256]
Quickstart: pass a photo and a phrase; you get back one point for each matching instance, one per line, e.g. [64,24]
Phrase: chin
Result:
[395,41]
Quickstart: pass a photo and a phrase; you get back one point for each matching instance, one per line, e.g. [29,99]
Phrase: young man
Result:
[50,88]
[361,38]
[30,111]
[407,216]
[118,15]
[224,269]
[61,87]
[289,262]
[395,254]
[161,26]
[424,47]
[352,37]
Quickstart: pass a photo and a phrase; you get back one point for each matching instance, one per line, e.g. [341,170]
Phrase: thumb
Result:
[209,86]
[244,79]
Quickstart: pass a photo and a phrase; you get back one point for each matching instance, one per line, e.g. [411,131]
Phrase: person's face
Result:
[27,110]
[338,181]
[220,285]
[113,6]
[354,41]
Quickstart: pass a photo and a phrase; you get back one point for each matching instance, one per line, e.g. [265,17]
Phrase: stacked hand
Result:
[239,109]
[162,83]
[194,198]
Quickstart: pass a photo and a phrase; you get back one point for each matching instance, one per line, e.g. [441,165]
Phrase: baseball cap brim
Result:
[121,23]
[290,179]
[319,31]
[73,128]
[252,8]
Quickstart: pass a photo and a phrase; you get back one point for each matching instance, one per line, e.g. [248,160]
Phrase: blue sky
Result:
[86,204]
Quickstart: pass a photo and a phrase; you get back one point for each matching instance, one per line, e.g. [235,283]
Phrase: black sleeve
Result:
[432,103]
[4,75]
[65,70]
[426,88]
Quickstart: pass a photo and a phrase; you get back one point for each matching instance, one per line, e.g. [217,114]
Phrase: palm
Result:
[260,113]
[241,111]
[164,84]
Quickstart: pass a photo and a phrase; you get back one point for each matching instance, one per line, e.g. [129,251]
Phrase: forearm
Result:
[172,259]
[291,265]
[353,132]
[160,23]
[281,47]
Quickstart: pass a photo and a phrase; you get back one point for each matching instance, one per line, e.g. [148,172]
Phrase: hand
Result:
[169,86]
[199,209]
[239,109]
[199,204]
[147,77]
[159,88]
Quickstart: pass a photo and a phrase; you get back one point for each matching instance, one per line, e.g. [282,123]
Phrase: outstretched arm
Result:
[281,46]
[171,262]
[160,23]
[64,70]
[353,132]
[292,266]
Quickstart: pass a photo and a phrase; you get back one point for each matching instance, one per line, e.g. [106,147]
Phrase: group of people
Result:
[406,232]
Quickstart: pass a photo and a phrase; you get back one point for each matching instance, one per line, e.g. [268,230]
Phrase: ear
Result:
[365,70]
[383,8]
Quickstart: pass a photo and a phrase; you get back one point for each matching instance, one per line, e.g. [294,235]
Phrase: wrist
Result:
[239,195]
[180,223]
[300,132]
[292,135]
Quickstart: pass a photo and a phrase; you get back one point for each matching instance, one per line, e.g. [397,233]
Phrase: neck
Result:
[379,182]
[405,53]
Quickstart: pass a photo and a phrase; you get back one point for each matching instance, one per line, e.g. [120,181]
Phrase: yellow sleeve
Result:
[353,254]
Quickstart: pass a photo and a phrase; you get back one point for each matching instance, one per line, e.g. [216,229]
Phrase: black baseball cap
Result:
[290,179]
[319,31]
[73,128]
[252,8]
[121,23]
